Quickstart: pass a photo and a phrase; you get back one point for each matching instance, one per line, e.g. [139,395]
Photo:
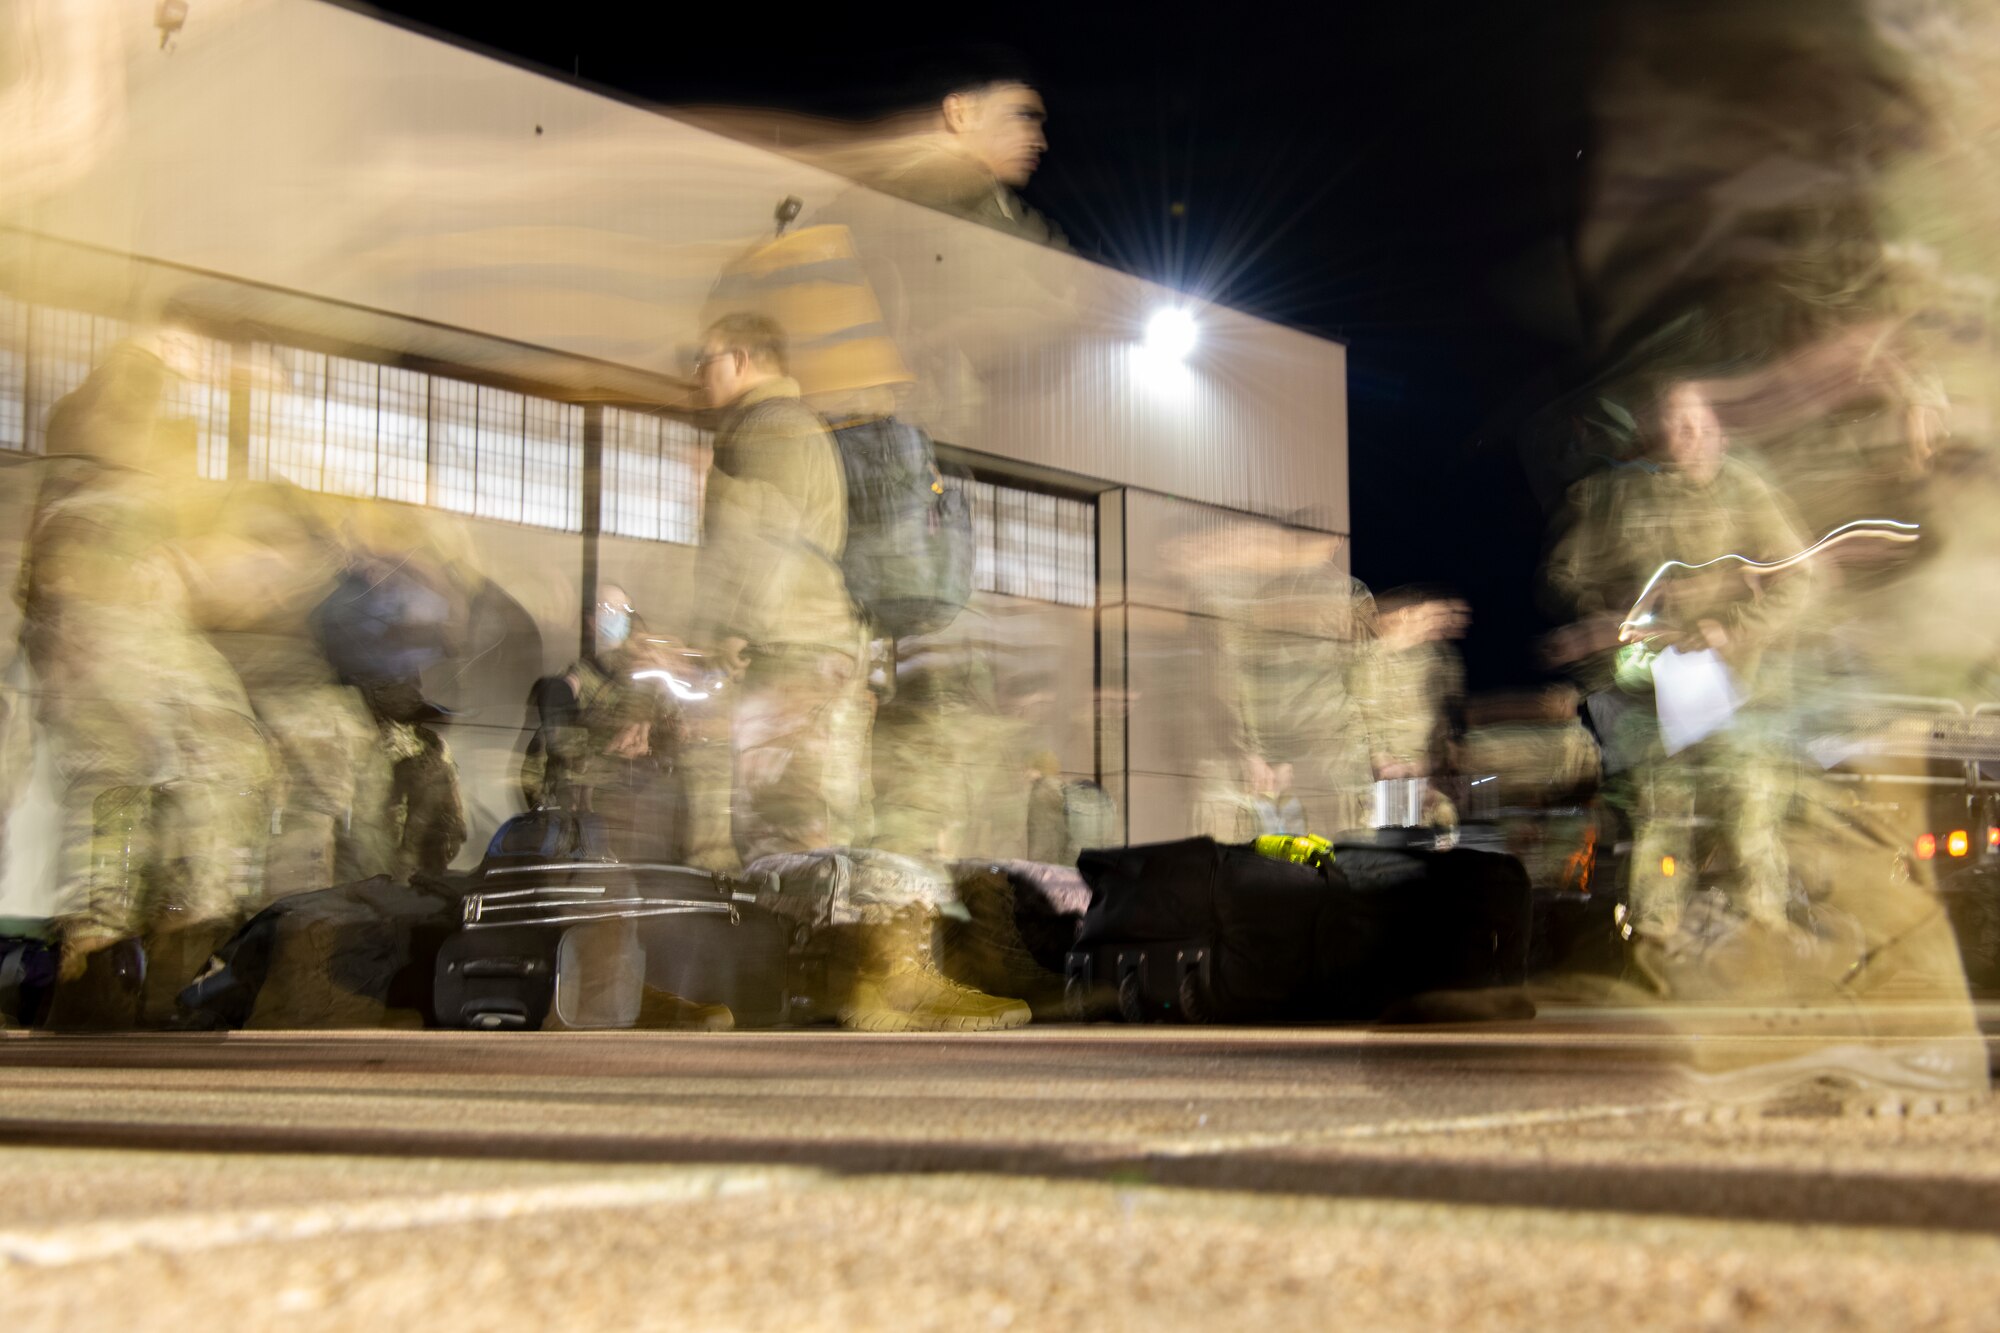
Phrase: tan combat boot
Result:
[891,984]
[1893,1034]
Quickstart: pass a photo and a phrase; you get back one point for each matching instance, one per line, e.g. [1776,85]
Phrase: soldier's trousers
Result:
[800,746]
[947,780]
[324,742]
[163,813]
[1734,781]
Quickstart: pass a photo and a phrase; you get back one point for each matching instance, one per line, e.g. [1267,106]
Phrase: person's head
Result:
[1690,434]
[613,617]
[989,106]
[738,353]
[1421,613]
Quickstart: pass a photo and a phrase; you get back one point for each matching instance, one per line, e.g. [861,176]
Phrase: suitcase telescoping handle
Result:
[541,893]
[736,893]
[569,912]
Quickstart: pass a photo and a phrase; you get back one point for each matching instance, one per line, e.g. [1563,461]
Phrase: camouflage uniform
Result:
[1048,822]
[847,886]
[1290,650]
[425,809]
[1626,525]
[575,760]
[1408,693]
[165,773]
[775,523]
[268,561]
[945,761]
[936,175]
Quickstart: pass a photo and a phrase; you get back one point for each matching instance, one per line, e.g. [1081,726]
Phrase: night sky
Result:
[1396,176]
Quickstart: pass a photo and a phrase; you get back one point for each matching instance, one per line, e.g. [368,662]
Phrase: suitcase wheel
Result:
[1076,1000]
[1078,986]
[1132,998]
[1194,999]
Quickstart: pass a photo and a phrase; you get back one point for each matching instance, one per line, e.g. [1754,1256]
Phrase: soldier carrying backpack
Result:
[907,556]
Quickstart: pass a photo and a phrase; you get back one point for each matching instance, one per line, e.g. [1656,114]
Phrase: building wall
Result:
[298,144]
[312,150]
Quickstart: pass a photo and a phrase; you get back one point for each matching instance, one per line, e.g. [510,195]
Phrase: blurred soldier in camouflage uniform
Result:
[607,739]
[775,604]
[165,773]
[1293,628]
[1698,503]
[778,611]
[268,559]
[1412,685]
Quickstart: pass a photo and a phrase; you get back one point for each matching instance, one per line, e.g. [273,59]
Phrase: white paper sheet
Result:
[1695,695]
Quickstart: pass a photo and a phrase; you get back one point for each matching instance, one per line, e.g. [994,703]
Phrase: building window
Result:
[46,352]
[347,427]
[1027,544]
[357,428]
[204,400]
[654,473]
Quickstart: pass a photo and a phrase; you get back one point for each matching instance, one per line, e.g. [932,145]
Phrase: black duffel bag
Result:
[356,955]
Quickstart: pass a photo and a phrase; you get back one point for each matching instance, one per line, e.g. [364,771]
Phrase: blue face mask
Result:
[613,626]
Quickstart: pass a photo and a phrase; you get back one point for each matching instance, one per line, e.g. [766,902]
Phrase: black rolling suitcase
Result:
[1198,931]
[740,958]
[577,944]
[1419,920]
[1207,932]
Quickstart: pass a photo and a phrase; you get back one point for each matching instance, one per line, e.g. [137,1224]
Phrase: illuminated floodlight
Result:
[1172,333]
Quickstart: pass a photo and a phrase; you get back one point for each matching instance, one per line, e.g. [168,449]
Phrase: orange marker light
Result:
[1667,866]
[1926,846]
[1958,844]
[1993,837]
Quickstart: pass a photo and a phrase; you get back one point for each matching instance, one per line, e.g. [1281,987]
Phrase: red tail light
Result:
[1926,846]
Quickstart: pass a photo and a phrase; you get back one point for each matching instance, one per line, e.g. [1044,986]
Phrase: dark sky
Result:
[1380,173]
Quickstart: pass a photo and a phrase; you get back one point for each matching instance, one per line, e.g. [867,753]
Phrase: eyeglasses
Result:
[706,359]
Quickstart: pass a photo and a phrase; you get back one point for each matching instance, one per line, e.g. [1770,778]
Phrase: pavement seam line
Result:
[179,1233]
[1197,1147]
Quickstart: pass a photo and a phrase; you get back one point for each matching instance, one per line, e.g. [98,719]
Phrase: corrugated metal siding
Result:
[1179,551]
[1252,422]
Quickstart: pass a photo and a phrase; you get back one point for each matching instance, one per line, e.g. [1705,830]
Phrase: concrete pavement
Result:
[1546,1174]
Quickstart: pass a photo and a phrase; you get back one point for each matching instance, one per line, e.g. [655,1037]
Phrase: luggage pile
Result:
[553,932]
[550,931]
